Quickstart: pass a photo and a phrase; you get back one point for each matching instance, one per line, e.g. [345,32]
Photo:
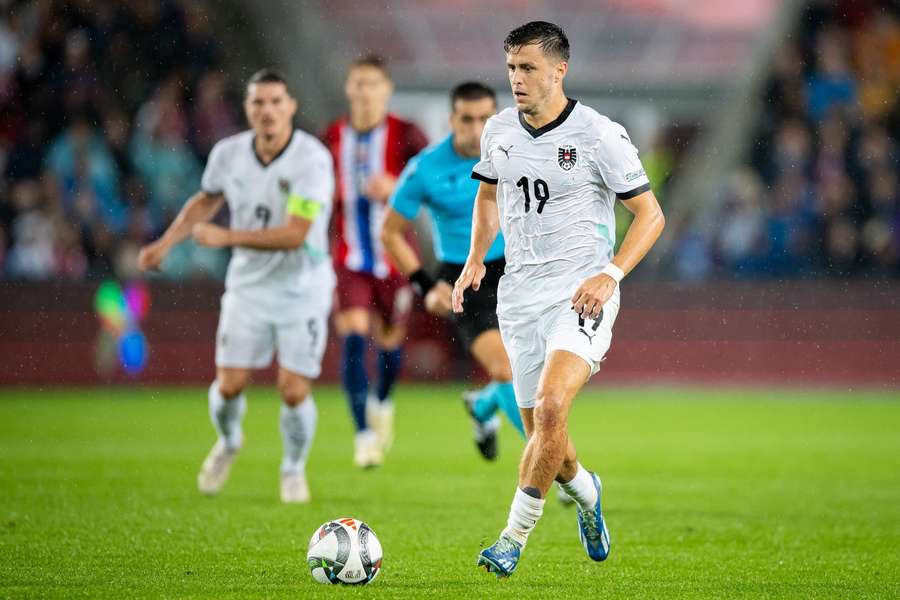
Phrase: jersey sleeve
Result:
[410,193]
[314,189]
[619,165]
[484,168]
[213,182]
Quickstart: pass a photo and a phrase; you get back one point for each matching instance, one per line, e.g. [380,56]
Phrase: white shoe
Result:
[216,467]
[367,451]
[564,498]
[294,488]
[384,424]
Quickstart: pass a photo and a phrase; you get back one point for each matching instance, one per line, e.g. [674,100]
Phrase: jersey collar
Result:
[537,132]
[259,159]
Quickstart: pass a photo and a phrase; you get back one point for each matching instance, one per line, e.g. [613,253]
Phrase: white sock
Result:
[581,488]
[226,416]
[298,426]
[523,516]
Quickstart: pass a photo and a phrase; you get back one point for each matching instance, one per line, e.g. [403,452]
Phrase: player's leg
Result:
[525,347]
[570,462]
[227,406]
[298,427]
[302,334]
[354,326]
[393,301]
[353,322]
[488,350]
[244,342]
[548,446]
[587,340]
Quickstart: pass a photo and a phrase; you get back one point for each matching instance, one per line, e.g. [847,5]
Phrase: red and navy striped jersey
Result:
[358,156]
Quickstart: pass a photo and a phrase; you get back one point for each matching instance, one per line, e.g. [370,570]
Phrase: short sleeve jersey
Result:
[439,178]
[299,181]
[556,192]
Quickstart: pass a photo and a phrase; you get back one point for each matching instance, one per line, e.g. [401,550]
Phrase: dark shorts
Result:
[479,308]
[391,298]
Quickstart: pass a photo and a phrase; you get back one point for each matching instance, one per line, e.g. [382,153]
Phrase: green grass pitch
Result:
[708,494]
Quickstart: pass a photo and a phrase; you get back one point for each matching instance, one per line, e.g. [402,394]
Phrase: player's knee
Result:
[549,413]
[500,371]
[353,322]
[231,387]
[293,390]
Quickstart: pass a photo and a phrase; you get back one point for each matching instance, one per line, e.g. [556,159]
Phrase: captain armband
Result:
[298,206]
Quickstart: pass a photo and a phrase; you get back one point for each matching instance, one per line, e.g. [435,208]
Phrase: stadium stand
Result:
[819,196]
[92,170]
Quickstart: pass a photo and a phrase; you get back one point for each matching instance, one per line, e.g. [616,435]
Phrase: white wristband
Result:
[613,271]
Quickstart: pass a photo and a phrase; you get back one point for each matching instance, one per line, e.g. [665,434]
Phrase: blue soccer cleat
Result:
[592,527]
[502,558]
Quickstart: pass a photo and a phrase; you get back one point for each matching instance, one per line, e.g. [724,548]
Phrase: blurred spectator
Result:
[827,151]
[86,173]
[160,153]
[93,169]
[831,83]
[214,118]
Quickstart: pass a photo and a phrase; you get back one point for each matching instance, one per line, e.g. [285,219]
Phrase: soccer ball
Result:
[344,551]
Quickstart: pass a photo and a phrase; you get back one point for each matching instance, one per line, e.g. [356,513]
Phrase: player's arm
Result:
[200,208]
[393,238]
[405,203]
[643,232]
[301,214]
[436,293]
[485,225]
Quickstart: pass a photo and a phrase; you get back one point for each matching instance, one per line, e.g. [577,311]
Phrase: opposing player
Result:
[370,147]
[438,178]
[278,183]
[551,170]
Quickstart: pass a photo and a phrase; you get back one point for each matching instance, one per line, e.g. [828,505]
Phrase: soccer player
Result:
[551,170]
[370,148]
[439,178]
[278,183]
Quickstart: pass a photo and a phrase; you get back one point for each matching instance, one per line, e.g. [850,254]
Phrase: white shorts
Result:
[252,326]
[530,341]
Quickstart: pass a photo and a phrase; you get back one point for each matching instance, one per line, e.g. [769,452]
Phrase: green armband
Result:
[304,208]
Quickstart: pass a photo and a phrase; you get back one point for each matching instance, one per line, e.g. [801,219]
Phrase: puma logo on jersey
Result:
[505,150]
[594,327]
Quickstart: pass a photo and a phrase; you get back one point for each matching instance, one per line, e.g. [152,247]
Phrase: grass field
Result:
[708,494]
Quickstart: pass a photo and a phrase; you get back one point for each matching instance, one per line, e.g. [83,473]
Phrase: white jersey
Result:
[556,192]
[259,196]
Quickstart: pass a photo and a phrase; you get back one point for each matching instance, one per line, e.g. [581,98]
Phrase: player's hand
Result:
[151,256]
[213,236]
[380,187]
[588,301]
[471,276]
[439,299]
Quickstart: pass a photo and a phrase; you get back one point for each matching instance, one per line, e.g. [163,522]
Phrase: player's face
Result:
[269,108]
[368,89]
[534,77]
[467,122]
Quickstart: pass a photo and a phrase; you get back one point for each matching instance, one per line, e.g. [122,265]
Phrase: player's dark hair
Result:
[268,76]
[376,61]
[549,36]
[471,90]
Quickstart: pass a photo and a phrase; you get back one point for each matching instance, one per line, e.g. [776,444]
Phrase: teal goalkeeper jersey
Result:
[440,179]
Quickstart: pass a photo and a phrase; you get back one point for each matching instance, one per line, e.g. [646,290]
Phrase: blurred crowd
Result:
[821,195]
[109,110]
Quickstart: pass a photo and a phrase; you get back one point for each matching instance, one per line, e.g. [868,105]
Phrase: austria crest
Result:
[567,157]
